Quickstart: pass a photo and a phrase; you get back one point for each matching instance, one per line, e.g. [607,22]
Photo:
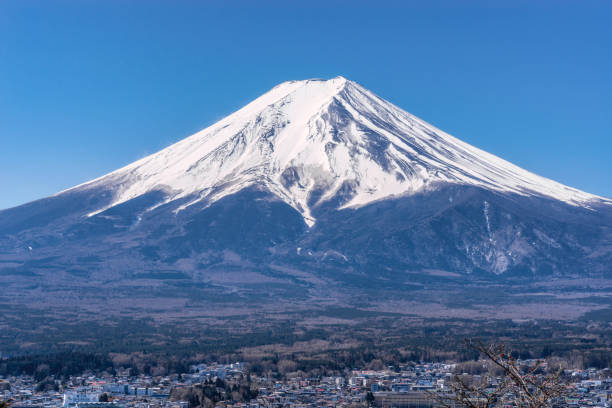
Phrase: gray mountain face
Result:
[318,191]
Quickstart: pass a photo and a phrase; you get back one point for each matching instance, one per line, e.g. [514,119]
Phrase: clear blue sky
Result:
[88,86]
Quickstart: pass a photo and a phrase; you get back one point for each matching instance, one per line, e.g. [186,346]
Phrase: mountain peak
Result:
[331,81]
[315,140]
[385,194]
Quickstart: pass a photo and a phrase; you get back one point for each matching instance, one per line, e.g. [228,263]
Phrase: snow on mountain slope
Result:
[313,140]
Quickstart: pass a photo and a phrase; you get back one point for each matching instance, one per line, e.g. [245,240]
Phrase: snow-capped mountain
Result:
[315,189]
[306,141]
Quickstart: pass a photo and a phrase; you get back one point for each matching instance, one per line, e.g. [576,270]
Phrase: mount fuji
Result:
[315,138]
[316,189]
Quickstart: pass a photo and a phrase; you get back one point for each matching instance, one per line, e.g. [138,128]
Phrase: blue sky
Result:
[89,86]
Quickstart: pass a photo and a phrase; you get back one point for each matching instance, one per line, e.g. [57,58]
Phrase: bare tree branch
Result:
[526,387]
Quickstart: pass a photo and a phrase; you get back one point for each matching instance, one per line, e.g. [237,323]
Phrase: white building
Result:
[71,398]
